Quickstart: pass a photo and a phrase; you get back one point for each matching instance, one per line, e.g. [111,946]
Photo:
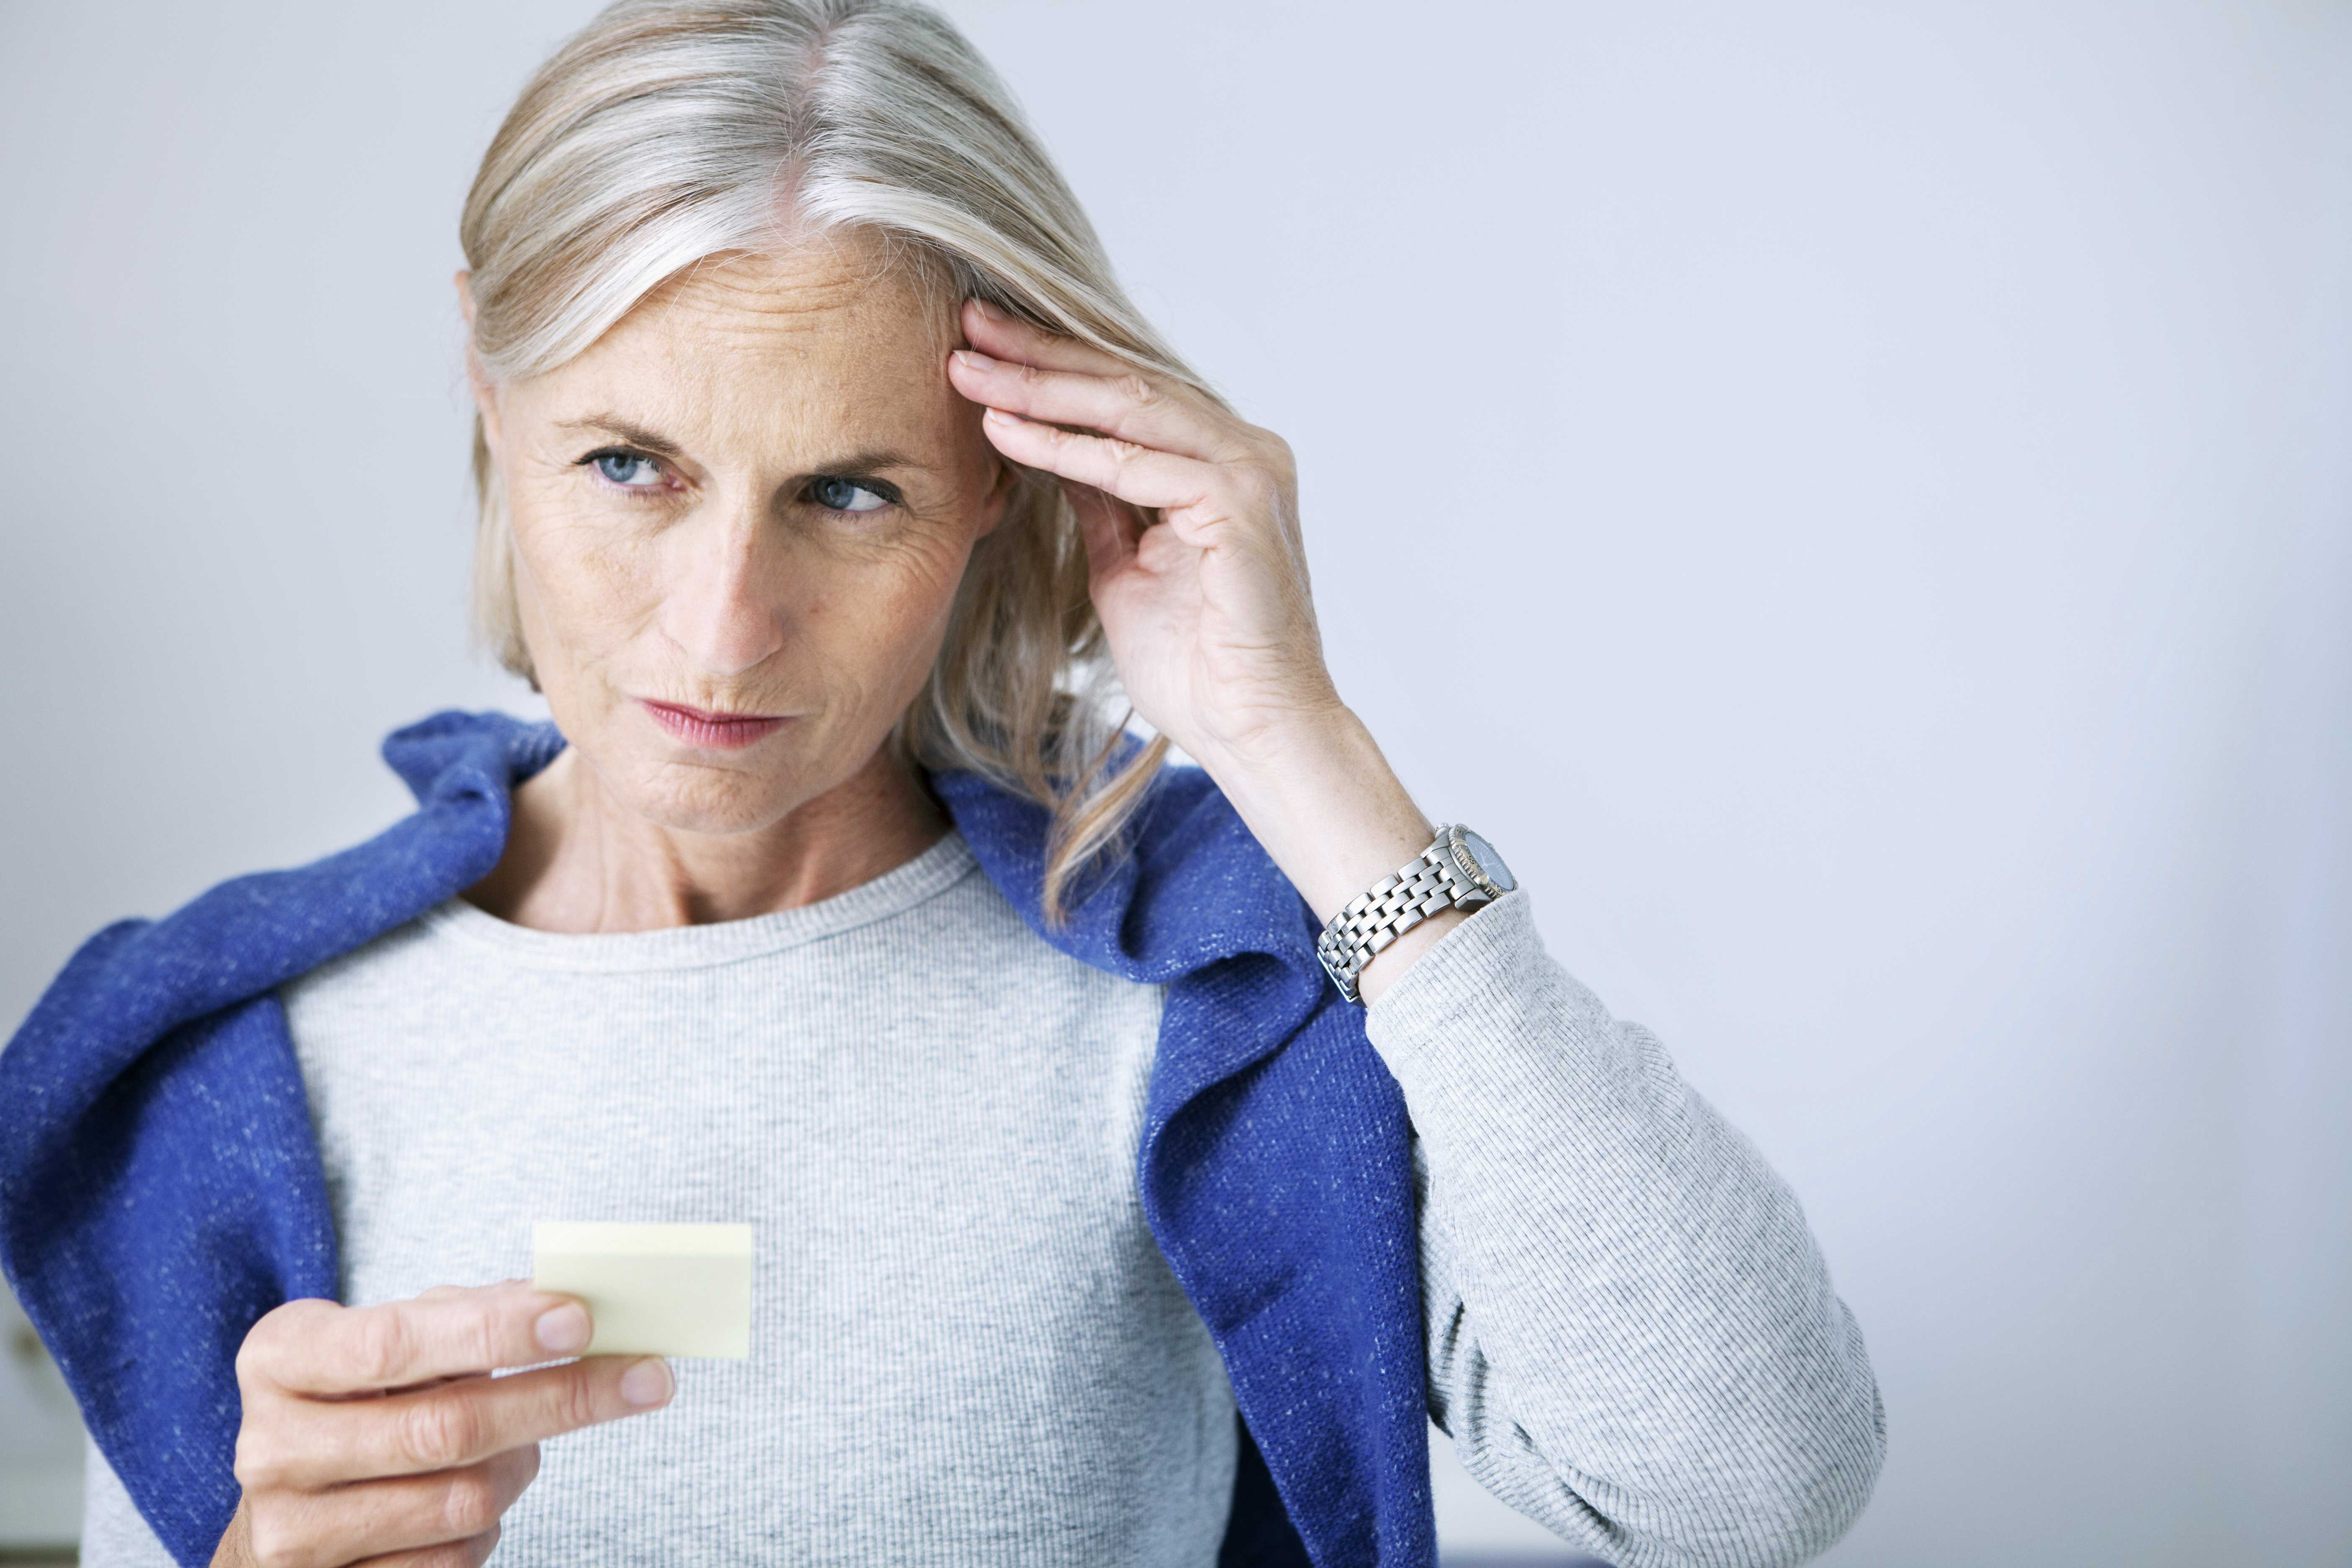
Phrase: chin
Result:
[699,797]
[706,802]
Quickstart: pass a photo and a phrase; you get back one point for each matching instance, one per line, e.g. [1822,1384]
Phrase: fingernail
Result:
[1003,415]
[564,1329]
[993,312]
[648,1384]
[974,360]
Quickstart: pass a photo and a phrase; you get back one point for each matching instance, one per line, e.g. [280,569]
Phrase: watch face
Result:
[1489,863]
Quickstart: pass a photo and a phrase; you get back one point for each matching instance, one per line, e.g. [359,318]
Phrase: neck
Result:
[578,861]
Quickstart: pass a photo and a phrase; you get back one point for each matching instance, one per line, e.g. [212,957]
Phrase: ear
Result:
[486,391]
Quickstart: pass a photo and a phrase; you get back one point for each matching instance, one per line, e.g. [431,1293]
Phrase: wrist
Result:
[1324,802]
[1261,752]
[1327,807]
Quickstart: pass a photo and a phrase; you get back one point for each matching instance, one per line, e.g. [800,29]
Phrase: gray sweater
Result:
[967,1349]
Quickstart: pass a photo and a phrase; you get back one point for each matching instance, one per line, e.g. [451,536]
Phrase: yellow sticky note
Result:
[652,1290]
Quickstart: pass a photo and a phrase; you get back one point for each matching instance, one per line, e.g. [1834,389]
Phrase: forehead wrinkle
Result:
[835,330]
[828,350]
[826,275]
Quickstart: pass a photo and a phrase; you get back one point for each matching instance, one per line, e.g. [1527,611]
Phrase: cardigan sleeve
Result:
[1631,1336]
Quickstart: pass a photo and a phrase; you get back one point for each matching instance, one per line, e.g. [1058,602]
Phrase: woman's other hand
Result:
[1207,613]
[376,1433]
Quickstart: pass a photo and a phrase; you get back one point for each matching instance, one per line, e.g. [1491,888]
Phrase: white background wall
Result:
[1889,465]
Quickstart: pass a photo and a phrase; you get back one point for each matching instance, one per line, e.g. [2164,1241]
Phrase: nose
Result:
[724,604]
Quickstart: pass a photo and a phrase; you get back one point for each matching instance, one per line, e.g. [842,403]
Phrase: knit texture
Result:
[1629,1333]
[966,1349]
[161,1186]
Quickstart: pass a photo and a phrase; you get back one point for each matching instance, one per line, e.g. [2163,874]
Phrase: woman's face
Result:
[739,520]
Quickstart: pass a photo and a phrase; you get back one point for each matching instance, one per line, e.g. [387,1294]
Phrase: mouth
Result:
[719,732]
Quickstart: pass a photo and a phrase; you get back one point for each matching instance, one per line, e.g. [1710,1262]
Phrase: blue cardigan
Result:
[161,1186]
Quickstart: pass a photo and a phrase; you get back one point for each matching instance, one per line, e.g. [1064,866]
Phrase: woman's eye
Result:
[841,495]
[631,471]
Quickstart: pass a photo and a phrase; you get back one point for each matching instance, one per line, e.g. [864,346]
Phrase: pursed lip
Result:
[702,727]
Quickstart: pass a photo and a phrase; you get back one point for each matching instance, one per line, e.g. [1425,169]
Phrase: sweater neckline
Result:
[894,893]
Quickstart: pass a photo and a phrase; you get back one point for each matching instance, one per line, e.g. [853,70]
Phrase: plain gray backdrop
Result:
[1884,469]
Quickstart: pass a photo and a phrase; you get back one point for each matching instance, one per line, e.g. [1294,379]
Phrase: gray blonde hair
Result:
[668,131]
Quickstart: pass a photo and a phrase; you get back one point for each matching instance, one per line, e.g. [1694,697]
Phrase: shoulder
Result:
[136,982]
[1188,884]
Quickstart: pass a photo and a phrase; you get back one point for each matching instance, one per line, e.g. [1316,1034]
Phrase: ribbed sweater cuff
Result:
[1462,988]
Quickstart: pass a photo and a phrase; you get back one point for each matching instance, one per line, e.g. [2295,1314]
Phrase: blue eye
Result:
[633,470]
[844,495]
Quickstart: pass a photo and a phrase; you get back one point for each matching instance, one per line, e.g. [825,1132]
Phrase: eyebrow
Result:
[872,461]
[635,434]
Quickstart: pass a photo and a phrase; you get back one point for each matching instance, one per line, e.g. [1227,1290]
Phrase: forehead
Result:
[832,332]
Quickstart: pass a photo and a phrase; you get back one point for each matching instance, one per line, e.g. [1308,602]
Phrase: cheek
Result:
[928,587]
[579,585]
[887,621]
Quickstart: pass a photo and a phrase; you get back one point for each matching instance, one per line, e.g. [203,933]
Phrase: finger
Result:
[1130,406]
[401,1514]
[470,1554]
[1140,476]
[994,332]
[462,1424]
[320,1347]
[315,1444]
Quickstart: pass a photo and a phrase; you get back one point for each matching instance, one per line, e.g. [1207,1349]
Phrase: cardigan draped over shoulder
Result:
[161,1186]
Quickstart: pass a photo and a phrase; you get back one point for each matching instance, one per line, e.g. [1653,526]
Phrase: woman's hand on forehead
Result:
[1208,616]
[1199,571]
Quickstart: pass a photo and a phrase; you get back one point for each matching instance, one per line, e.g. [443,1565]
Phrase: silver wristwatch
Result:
[1459,871]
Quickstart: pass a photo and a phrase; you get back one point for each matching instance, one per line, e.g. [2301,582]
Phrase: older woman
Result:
[1110,1206]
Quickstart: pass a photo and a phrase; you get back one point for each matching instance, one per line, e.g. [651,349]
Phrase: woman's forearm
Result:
[1635,1286]
[1322,799]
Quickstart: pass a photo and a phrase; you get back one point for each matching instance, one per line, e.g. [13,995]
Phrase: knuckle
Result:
[260,1464]
[265,1343]
[383,1349]
[273,1540]
[482,1342]
[469,1503]
[1259,447]
[575,1400]
[434,1433]
[1138,389]
[259,1342]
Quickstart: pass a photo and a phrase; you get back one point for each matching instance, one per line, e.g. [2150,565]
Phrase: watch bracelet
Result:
[1368,923]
